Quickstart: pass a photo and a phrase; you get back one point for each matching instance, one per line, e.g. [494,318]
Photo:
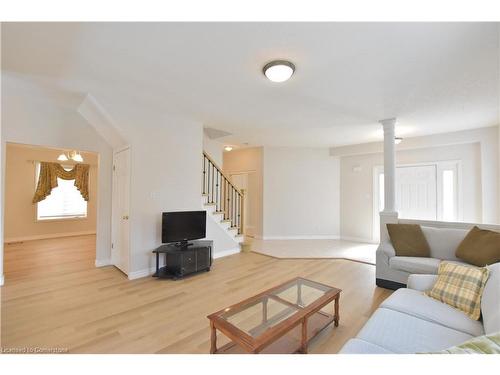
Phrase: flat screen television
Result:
[183,226]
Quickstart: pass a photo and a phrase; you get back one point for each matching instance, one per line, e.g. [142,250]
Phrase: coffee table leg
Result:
[213,338]
[336,317]
[303,348]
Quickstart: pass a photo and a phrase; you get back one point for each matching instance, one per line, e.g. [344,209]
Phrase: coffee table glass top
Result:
[271,308]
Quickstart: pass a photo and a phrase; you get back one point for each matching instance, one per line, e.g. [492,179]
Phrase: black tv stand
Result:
[182,261]
[183,244]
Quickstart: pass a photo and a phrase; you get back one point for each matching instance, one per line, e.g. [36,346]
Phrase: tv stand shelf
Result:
[185,260]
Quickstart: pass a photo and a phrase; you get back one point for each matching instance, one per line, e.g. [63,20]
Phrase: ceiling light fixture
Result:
[397,140]
[72,155]
[278,70]
[62,157]
[228,148]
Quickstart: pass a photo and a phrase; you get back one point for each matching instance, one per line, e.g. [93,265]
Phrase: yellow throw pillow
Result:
[408,240]
[461,287]
[480,247]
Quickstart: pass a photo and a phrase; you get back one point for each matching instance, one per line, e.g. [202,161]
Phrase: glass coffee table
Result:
[282,319]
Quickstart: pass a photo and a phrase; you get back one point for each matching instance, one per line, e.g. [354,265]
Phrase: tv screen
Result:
[183,226]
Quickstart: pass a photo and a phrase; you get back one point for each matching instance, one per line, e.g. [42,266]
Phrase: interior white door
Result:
[416,192]
[121,205]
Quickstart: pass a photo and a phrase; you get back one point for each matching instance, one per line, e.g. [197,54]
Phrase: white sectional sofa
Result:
[392,271]
[410,322]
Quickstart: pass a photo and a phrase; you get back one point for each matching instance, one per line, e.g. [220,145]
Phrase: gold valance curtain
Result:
[49,172]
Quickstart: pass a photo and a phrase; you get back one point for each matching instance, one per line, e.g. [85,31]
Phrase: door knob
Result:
[125,217]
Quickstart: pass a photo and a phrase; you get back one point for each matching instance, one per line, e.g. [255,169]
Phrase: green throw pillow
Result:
[488,344]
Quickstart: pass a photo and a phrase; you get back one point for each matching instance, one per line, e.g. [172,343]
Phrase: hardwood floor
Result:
[54,297]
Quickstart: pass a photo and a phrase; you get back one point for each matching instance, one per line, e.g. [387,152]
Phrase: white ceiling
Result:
[434,77]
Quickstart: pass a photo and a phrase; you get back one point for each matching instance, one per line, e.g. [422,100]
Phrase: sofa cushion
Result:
[416,303]
[480,247]
[358,346]
[461,287]
[408,240]
[403,333]
[421,282]
[444,241]
[415,264]
[490,301]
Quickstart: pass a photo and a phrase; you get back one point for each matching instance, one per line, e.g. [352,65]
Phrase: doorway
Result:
[120,237]
[246,182]
[56,231]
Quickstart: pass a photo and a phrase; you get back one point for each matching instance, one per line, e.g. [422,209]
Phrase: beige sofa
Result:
[392,271]
[410,322]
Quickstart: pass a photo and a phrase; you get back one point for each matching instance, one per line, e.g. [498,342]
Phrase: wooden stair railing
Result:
[220,192]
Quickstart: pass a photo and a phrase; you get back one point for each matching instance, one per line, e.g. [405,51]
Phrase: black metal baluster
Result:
[204,163]
[239,212]
[227,200]
[217,192]
[232,205]
[225,196]
[208,182]
[213,182]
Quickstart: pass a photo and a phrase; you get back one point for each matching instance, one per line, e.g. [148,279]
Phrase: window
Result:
[64,202]
[449,196]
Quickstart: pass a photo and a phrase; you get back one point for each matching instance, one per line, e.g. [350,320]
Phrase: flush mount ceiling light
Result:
[228,148]
[278,70]
[398,140]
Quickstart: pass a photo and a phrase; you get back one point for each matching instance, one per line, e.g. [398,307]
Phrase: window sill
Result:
[61,219]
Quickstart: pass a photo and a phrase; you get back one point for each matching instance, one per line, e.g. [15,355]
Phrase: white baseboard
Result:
[304,237]
[2,280]
[226,253]
[141,273]
[103,262]
[47,236]
[359,239]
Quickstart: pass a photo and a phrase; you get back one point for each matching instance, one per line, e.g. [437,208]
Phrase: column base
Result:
[386,217]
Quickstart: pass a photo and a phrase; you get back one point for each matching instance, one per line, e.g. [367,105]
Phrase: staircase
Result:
[222,200]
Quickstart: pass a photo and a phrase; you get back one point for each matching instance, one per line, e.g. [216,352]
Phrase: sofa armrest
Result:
[388,249]
[421,282]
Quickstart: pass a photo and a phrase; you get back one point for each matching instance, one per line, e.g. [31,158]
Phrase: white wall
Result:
[301,193]
[32,116]
[214,149]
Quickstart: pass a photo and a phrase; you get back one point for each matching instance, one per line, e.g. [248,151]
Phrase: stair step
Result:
[210,204]
[218,212]
[225,221]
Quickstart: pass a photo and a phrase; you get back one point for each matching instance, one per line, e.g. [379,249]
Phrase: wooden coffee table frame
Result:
[257,344]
